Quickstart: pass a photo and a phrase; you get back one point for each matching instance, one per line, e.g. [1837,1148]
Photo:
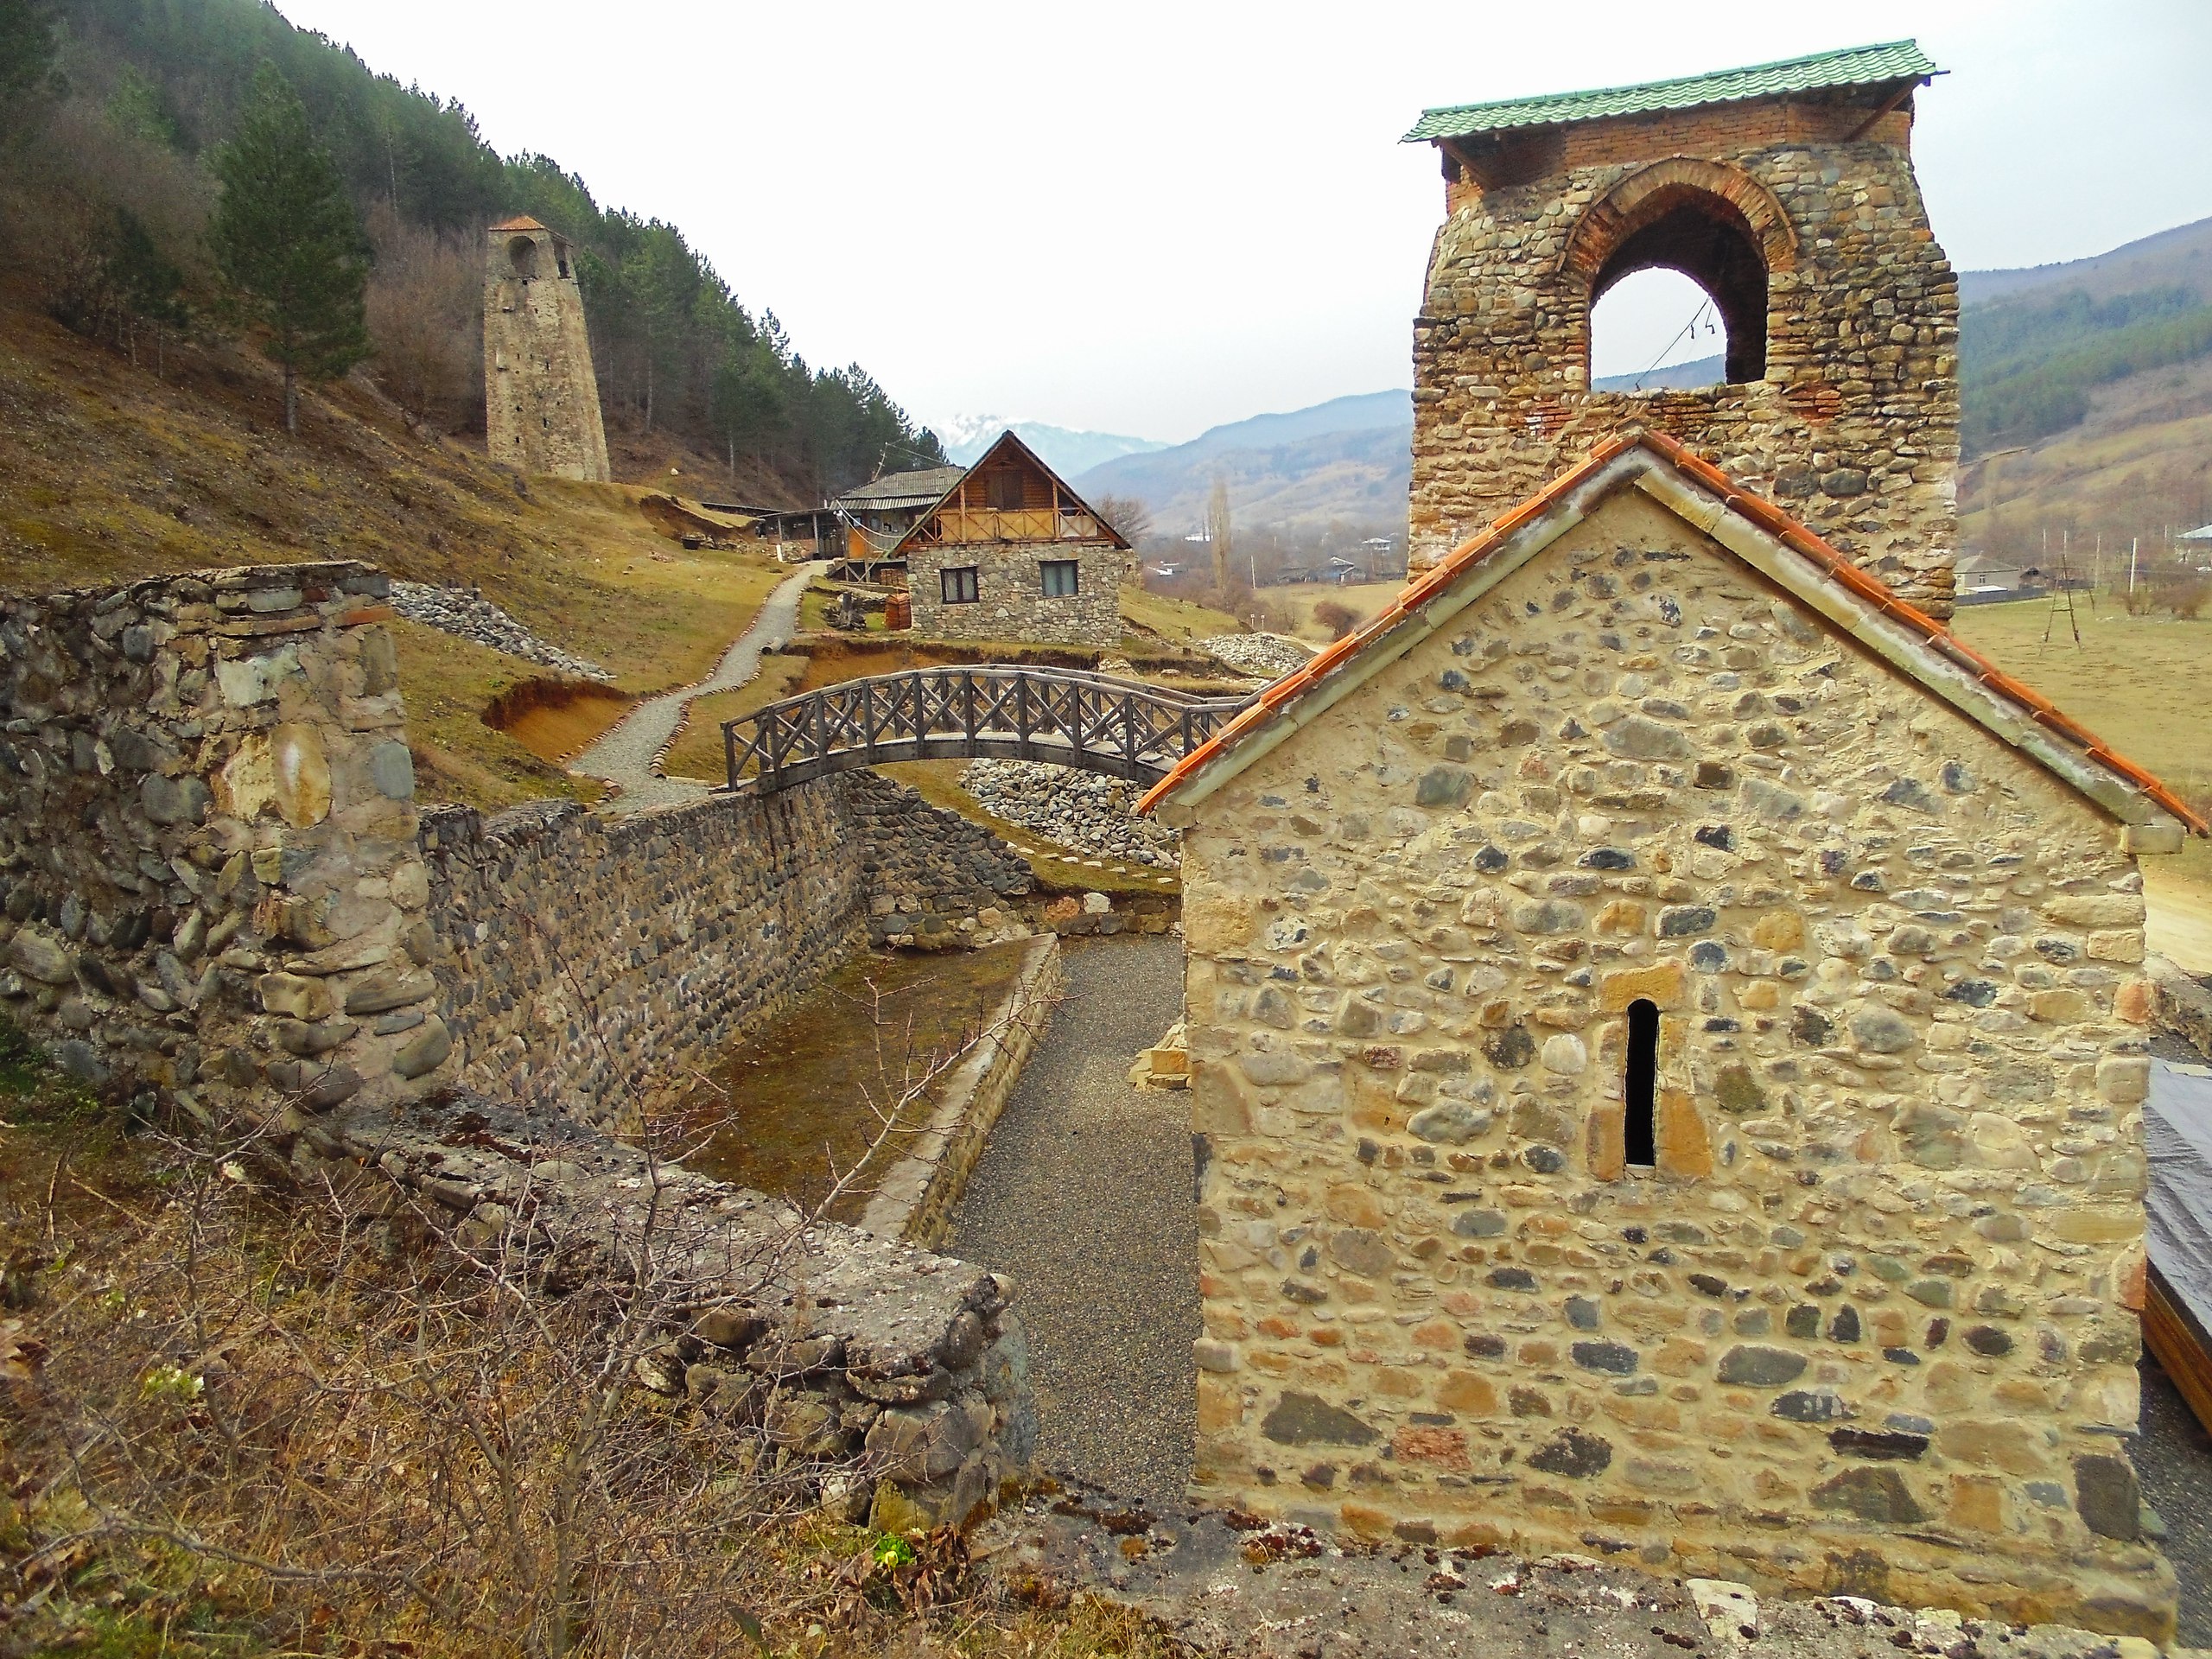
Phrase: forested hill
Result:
[2037,346]
[677,354]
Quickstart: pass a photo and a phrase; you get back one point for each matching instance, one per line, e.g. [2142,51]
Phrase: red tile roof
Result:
[520,222]
[1939,640]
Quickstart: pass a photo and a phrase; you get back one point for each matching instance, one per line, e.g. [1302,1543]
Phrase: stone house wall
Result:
[541,395]
[1855,428]
[1867,1326]
[207,828]
[1011,602]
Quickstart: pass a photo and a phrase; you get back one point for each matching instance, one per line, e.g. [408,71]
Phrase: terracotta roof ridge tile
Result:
[1733,499]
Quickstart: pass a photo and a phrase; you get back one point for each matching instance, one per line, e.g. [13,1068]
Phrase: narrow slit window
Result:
[1642,1127]
[958,585]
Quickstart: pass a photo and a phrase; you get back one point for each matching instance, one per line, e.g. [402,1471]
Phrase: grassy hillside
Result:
[146,91]
[107,473]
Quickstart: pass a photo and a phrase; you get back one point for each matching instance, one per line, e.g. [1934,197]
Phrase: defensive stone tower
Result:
[540,398]
[1787,193]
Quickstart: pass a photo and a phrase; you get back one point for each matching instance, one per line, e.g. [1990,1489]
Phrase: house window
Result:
[1641,1129]
[1059,578]
[957,584]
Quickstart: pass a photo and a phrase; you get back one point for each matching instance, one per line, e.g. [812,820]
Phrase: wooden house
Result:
[1008,552]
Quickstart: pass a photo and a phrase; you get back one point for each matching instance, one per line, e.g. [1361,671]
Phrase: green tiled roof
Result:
[1858,65]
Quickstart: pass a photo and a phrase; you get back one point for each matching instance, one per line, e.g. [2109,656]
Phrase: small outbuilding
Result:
[1008,552]
[1669,1053]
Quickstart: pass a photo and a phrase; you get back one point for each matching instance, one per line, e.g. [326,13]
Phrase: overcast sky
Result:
[1151,218]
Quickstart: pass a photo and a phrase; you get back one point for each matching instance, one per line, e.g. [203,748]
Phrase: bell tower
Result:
[1786,192]
[540,397]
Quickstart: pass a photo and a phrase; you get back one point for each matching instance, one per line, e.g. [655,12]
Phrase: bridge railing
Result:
[1092,721]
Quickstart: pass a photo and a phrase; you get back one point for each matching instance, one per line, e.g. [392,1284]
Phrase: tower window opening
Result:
[522,257]
[1656,330]
[1706,243]
[1641,1128]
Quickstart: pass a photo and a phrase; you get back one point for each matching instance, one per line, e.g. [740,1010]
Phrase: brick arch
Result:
[1720,227]
[1647,194]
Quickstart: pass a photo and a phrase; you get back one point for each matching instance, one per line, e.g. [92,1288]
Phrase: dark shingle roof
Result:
[919,489]
[1858,65]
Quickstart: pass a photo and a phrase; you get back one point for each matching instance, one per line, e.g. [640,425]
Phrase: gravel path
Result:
[1084,1196]
[627,755]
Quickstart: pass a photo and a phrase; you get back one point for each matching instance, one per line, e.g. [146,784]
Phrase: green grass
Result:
[1176,620]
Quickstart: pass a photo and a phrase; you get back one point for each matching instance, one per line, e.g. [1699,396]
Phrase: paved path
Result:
[625,756]
[1084,1196]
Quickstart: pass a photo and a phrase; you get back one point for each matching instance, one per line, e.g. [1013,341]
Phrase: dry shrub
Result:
[425,306]
[1339,617]
[2187,599]
[252,1407]
[61,182]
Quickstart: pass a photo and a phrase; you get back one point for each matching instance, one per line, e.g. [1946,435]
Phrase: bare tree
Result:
[1219,534]
[1126,514]
[425,312]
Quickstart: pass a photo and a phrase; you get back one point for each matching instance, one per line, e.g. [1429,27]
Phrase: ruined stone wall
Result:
[207,828]
[1868,1325]
[541,396]
[589,960]
[1855,428]
[1011,602]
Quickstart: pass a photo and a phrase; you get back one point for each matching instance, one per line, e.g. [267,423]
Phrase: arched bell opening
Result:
[522,257]
[1707,239]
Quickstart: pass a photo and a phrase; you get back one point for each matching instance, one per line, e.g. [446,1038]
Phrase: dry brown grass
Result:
[243,1416]
[108,473]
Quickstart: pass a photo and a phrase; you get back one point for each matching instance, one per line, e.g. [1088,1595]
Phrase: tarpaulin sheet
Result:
[2178,1136]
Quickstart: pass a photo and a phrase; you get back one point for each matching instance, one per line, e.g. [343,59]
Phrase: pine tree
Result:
[287,240]
[27,45]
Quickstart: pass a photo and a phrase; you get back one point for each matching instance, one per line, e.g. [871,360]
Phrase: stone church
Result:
[1666,1019]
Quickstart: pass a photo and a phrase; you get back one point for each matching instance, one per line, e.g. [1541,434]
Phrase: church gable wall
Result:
[1865,1324]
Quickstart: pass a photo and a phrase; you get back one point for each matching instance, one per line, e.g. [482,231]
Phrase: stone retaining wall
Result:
[915,1200]
[904,1374]
[585,960]
[588,960]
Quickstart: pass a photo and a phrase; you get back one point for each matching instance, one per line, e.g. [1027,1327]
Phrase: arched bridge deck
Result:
[1090,721]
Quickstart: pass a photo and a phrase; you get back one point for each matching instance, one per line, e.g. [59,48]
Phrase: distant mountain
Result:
[1349,459]
[1698,371]
[2181,257]
[966,436]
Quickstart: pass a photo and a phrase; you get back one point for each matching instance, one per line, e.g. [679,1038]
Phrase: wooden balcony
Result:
[959,526]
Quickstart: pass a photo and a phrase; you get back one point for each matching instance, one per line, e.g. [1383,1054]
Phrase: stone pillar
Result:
[213,891]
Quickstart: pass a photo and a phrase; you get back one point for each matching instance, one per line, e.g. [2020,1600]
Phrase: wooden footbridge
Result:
[1090,721]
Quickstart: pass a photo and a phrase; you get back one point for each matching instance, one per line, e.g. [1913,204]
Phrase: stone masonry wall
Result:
[207,828]
[1011,603]
[1868,1327]
[587,959]
[934,878]
[1855,428]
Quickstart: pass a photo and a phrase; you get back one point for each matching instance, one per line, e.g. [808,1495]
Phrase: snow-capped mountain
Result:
[966,436]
